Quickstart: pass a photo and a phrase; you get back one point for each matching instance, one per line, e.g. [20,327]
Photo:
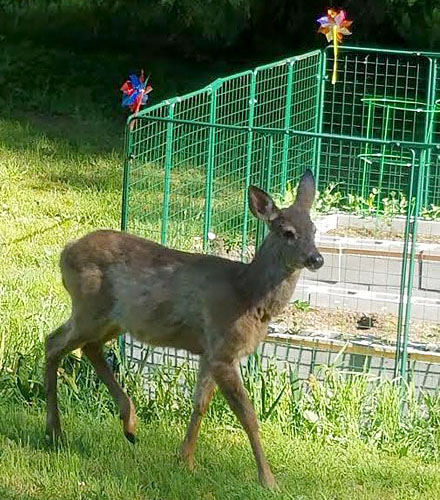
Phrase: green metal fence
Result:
[375,134]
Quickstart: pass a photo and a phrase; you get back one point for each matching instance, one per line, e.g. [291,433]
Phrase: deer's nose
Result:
[314,261]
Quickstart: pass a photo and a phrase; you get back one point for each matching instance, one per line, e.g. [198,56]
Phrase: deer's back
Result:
[162,296]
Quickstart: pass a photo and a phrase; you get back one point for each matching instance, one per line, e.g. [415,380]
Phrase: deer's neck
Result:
[270,282]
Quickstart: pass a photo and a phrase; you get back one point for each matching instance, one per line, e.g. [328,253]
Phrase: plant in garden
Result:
[325,201]
[395,204]
[288,197]
[301,305]
[432,212]
[359,205]
[329,199]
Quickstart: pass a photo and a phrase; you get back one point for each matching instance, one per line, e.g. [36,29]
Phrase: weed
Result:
[395,204]
[301,305]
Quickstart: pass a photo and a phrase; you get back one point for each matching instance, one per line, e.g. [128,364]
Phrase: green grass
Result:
[96,462]
[61,142]
[50,192]
[60,177]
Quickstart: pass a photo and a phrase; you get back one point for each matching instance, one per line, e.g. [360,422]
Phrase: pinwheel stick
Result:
[137,108]
[335,54]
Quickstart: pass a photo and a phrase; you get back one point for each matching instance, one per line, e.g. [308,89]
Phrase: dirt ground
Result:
[348,325]
[378,234]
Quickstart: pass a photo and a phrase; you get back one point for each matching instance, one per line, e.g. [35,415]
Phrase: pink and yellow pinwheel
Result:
[334,26]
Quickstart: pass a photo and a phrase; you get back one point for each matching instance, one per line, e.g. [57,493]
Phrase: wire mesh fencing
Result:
[303,356]
[372,140]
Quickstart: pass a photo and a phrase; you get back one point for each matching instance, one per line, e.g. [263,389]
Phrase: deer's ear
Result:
[262,205]
[306,190]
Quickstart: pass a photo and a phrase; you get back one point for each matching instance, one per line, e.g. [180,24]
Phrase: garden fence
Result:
[373,142]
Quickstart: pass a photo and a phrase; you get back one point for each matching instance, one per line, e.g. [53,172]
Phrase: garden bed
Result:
[369,261]
[380,233]
[376,227]
[362,276]
[343,324]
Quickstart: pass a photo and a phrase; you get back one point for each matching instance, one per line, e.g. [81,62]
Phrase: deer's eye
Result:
[289,234]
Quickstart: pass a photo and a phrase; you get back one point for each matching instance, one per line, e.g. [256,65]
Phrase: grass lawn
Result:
[50,192]
[60,177]
[96,462]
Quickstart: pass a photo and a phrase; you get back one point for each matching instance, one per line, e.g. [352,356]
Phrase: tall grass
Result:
[333,406]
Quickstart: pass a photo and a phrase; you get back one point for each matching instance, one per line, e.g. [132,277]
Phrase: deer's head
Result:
[291,228]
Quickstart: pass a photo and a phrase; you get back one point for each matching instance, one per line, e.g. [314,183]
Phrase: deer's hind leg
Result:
[94,353]
[203,394]
[59,343]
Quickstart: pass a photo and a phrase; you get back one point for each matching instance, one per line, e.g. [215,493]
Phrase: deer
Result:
[214,307]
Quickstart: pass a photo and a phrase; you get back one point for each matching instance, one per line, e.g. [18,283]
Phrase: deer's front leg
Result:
[203,394]
[228,379]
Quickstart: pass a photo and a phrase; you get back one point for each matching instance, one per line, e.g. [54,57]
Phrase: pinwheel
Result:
[334,26]
[135,92]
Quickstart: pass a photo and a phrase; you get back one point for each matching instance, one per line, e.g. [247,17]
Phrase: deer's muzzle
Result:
[314,261]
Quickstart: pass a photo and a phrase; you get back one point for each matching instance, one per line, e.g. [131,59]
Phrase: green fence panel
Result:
[190,160]
[390,96]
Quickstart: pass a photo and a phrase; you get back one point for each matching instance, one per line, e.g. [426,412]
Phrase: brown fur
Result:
[210,306]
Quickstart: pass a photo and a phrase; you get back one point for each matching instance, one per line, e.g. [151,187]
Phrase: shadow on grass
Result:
[69,104]
[27,430]
[97,454]
[75,94]
[65,123]
[97,463]
[63,151]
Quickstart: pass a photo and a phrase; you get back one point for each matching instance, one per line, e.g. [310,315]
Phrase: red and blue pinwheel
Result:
[135,92]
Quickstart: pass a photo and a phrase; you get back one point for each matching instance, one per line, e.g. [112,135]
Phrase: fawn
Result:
[214,307]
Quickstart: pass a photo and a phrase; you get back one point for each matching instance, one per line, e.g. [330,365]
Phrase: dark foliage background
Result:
[207,28]
[69,57]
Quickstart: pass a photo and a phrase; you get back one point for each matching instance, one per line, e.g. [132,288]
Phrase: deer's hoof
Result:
[53,434]
[187,459]
[268,481]
[130,436]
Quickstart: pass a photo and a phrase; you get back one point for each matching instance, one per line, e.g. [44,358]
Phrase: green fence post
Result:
[413,235]
[382,158]
[128,148]
[128,158]
[429,125]
[367,149]
[404,271]
[167,180]
[287,120]
[266,181]
[247,181]
[210,166]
